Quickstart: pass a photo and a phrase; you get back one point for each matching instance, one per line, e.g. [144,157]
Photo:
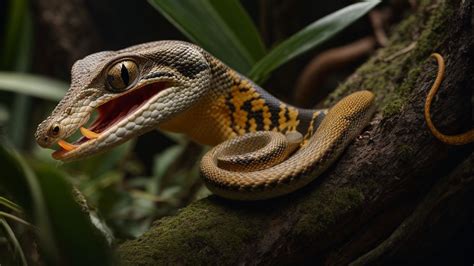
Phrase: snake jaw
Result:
[119,109]
[180,69]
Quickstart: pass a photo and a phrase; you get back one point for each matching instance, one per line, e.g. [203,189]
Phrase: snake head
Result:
[132,91]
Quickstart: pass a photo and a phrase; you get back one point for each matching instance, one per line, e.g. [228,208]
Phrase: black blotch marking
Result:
[287,117]
[257,115]
[159,74]
[305,117]
[187,68]
[274,110]
[317,120]
[247,106]
[124,75]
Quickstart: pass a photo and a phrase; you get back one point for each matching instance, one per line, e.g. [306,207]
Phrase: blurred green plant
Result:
[223,28]
[15,55]
[7,228]
[13,239]
[16,47]
[33,85]
[65,230]
[309,38]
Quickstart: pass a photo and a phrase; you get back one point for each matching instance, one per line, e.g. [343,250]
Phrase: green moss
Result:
[324,207]
[394,102]
[394,106]
[405,151]
[206,232]
[395,71]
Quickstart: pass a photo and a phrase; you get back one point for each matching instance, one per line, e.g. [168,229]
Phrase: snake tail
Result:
[460,139]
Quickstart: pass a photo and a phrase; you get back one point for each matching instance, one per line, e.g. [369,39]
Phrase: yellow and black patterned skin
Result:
[265,148]
[238,108]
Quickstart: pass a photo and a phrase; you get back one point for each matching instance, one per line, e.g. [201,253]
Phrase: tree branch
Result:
[372,190]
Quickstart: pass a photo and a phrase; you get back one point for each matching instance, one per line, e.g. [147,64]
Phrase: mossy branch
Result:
[371,190]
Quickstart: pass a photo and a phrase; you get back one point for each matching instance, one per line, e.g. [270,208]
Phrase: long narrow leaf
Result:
[79,241]
[21,182]
[10,205]
[11,235]
[309,37]
[13,33]
[17,57]
[240,23]
[14,218]
[222,27]
[66,232]
[32,85]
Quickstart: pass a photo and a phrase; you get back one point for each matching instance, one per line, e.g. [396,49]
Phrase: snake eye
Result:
[122,75]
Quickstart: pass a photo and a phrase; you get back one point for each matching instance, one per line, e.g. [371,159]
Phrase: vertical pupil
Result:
[124,75]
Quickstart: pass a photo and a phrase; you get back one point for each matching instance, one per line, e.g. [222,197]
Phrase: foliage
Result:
[69,230]
[32,85]
[7,228]
[231,31]
[308,38]
[66,232]
[234,37]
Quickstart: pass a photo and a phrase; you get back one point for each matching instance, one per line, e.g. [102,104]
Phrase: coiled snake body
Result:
[268,148]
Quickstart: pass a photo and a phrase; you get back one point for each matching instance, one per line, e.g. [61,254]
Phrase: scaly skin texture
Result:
[460,139]
[179,87]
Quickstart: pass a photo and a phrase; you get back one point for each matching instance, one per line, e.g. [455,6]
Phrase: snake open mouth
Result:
[110,113]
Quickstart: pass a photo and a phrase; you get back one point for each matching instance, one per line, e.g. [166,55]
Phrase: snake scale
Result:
[267,148]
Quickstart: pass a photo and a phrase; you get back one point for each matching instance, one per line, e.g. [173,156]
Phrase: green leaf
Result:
[77,239]
[66,233]
[222,27]
[242,26]
[162,163]
[101,163]
[309,38]
[14,218]
[33,85]
[21,183]
[11,235]
[17,38]
[16,55]
[10,205]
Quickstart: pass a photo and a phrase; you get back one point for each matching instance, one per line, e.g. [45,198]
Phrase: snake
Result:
[459,139]
[262,147]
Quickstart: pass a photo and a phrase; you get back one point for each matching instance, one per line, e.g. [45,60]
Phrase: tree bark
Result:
[397,195]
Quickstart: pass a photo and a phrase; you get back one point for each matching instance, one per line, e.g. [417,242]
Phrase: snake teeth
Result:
[66,145]
[89,133]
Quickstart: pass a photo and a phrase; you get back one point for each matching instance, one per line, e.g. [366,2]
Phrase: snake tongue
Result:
[89,133]
[66,145]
